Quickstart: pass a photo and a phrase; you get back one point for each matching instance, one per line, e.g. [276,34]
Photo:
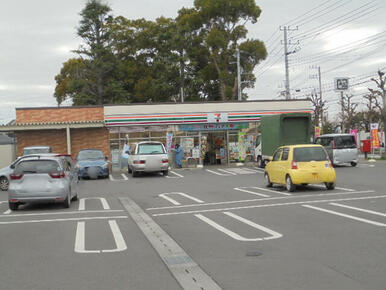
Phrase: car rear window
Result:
[150,149]
[37,166]
[342,142]
[305,154]
[90,154]
[36,151]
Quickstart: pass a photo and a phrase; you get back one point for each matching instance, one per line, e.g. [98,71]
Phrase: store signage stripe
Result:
[156,116]
[152,123]
[155,119]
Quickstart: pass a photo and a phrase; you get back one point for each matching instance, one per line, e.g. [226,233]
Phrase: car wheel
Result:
[330,185]
[4,183]
[128,169]
[134,173]
[67,201]
[268,182]
[260,162]
[353,164]
[165,172]
[13,205]
[289,184]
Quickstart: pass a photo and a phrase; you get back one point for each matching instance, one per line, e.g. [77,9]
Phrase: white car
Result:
[148,156]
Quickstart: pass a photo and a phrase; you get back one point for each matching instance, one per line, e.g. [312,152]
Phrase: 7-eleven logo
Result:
[217,117]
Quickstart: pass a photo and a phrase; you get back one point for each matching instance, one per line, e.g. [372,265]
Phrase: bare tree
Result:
[318,105]
[381,92]
[348,112]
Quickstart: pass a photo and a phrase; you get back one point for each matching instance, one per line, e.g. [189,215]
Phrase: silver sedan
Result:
[43,179]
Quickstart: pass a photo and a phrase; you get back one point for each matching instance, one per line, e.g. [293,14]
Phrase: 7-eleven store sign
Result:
[217,117]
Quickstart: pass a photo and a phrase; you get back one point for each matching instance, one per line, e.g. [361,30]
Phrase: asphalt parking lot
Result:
[210,228]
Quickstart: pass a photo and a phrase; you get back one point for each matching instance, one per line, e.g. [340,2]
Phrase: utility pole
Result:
[321,98]
[285,29]
[238,75]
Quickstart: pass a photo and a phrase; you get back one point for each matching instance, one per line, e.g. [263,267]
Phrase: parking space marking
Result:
[251,192]
[124,176]
[185,270]
[61,213]
[175,173]
[359,209]
[346,215]
[8,211]
[268,205]
[273,234]
[258,199]
[275,191]
[227,171]
[340,188]
[217,173]
[63,220]
[82,202]
[80,238]
[111,177]
[261,170]
[165,196]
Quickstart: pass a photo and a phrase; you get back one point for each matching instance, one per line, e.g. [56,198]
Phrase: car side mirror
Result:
[12,166]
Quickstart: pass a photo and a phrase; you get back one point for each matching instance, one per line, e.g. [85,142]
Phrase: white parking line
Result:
[214,172]
[124,176]
[82,204]
[259,169]
[359,209]
[62,213]
[164,196]
[340,188]
[268,205]
[227,171]
[175,173]
[63,220]
[8,211]
[259,199]
[80,238]
[275,191]
[111,178]
[274,235]
[346,216]
[251,192]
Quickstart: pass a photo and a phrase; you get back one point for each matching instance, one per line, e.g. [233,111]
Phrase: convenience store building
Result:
[210,133]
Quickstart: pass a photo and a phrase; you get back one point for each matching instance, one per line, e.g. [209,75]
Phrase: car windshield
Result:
[90,154]
[36,151]
[151,149]
[305,154]
[342,142]
[37,166]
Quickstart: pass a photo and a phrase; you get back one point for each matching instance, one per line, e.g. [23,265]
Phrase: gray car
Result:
[38,179]
[341,148]
[148,156]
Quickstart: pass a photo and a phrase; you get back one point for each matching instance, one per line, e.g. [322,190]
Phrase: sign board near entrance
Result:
[213,127]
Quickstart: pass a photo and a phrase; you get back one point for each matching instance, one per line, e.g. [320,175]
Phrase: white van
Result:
[341,148]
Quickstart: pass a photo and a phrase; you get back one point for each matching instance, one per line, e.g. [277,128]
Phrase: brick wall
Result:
[97,138]
[54,138]
[59,114]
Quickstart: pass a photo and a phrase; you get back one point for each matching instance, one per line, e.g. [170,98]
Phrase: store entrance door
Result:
[214,148]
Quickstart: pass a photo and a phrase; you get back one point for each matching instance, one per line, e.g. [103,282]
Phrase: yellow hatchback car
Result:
[300,165]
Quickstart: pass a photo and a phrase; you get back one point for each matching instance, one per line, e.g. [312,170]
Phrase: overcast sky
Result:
[346,38]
